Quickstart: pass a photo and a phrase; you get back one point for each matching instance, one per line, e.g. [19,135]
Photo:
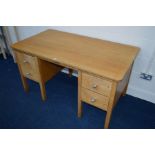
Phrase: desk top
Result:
[103,58]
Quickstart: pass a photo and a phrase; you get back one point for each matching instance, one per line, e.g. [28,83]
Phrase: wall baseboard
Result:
[142,94]
[133,91]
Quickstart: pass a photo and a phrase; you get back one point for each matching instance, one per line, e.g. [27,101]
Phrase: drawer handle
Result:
[28,74]
[92,100]
[25,61]
[94,86]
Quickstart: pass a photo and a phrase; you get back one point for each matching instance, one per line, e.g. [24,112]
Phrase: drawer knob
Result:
[94,86]
[92,100]
[28,74]
[25,61]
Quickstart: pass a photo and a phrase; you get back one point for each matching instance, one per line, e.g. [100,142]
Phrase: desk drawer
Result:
[28,66]
[95,99]
[96,84]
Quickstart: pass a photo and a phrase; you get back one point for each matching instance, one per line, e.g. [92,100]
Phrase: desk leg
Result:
[79,95]
[43,90]
[127,81]
[110,106]
[41,81]
[70,72]
[124,91]
[24,82]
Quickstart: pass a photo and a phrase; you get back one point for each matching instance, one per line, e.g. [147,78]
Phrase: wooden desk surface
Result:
[103,58]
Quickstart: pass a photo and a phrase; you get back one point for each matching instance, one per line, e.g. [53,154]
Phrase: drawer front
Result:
[28,65]
[96,84]
[95,99]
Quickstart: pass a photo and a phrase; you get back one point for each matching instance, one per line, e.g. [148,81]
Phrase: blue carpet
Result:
[20,110]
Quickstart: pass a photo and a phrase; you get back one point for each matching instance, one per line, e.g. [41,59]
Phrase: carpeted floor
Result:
[26,110]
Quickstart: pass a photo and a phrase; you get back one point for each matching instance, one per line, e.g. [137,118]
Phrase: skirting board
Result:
[133,91]
[142,94]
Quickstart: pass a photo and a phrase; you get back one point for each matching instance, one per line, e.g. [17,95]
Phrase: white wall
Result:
[143,37]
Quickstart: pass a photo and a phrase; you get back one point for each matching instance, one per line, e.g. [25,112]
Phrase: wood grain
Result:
[28,66]
[48,70]
[41,79]
[122,86]
[33,68]
[96,84]
[79,94]
[24,82]
[110,105]
[103,64]
[100,57]
[95,99]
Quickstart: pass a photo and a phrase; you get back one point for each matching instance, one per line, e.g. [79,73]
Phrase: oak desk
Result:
[103,67]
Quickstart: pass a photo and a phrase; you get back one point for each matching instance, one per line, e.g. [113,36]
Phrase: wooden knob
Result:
[28,74]
[93,100]
[25,61]
[94,86]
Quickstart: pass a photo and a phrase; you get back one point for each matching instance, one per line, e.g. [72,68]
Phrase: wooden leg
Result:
[79,95]
[111,105]
[126,87]
[25,84]
[124,91]
[79,108]
[107,119]
[70,72]
[43,90]
[41,81]
[24,81]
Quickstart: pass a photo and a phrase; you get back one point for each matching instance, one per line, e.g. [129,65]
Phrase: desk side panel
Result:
[122,85]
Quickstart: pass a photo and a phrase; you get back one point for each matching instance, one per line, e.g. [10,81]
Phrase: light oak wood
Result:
[24,82]
[103,58]
[110,105]
[43,90]
[122,86]
[48,70]
[95,99]
[126,81]
[96,84]
[41,80]
[103,67]
[28,66]
[79,94]
[33,68]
